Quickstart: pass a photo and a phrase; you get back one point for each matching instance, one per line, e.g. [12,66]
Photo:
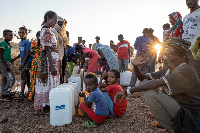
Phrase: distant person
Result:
[94,45]
[48,75]
[101,112]
[166,28]
[109,92]
[71,53]
[191,26]
[176,30]
[90,46]
[142,45]
[123,51]
[152,52]
[112,45]
[26,59]
[79,42]
[83,42]
[36,49]
[7,78]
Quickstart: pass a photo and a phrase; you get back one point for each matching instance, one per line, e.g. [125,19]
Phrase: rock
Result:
[3,118]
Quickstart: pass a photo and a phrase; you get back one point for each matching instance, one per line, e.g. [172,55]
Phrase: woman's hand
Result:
[139,59]
[119,95]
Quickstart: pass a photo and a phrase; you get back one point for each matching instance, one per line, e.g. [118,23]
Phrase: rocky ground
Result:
[22,119]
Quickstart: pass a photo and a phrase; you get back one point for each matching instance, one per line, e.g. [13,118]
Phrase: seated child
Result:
[101,111]
[118,108]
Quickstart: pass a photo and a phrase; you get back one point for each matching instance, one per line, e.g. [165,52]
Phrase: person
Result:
[79,42]
[152,51]
[93,57]
[142,45]
[8,78]
[116,109]
[90,46]
[176,30]
[48,76]
[191,24]
[94,45]
[35,50]
[123,50]
[83,42]
[166,28]
[108,58]
[71,59]
[26,59]
[112,45]
[178,109]
[101,112]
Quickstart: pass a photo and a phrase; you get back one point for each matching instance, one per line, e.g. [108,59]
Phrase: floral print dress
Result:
[42,89]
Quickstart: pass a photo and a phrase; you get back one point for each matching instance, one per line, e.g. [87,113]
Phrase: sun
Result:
[157,47]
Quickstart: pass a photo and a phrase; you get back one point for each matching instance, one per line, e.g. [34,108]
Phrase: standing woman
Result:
[35,50]
[48,76]
[93,57]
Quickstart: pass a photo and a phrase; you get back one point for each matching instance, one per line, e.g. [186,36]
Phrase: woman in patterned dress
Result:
[48,76]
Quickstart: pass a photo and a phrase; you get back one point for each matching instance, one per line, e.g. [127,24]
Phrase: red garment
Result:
[122,50]
[96,118]
[93,57]
[118,108]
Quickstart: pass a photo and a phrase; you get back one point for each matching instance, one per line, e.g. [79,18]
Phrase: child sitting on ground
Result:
[101,111]
[118,108]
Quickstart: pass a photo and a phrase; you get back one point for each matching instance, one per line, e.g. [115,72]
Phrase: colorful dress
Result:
[42,87]
[93,57]
[35,49]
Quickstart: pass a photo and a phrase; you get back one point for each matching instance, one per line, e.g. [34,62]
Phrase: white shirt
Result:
[191,26]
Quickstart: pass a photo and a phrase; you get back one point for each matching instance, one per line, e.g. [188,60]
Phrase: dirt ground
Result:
[22,119]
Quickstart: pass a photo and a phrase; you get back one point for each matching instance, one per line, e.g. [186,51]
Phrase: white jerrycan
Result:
[125,78]
[76,79]
[60,106]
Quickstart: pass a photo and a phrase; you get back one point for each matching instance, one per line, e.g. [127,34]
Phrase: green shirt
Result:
[7,51]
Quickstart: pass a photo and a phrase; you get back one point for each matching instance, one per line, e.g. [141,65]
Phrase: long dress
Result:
[42,88]
[93,57]
[35,49]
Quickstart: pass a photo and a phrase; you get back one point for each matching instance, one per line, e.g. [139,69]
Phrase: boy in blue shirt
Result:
[101,112]
[8,78]
[26,59]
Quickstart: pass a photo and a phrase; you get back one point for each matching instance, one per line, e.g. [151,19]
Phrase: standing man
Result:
[94,45]
[26,59]
[191,27]
[83,42]
[142,45]
[79,42]
[123,50]
[112,45]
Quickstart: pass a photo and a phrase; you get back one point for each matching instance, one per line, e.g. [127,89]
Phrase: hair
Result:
[145,30]
[151,30]
[23,28]
[38,33]
[92,76]
[79,38]
[49,14]
[166,26]
[90,44]
[83,41]
[78,47]
[97,37]
[111,41]
[5,32]
[117,73]
[120,36]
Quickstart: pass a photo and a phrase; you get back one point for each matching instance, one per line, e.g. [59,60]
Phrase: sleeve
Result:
[181,79]
[2,45]
[158,74]
[109,88]
[46,39]
[27,46]
[91,97]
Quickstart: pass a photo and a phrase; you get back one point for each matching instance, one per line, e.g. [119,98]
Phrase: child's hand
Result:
[104,75]
[104,85]
[81,94]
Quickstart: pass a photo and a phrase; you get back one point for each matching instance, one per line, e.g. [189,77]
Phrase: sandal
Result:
[90,124]
[156,124]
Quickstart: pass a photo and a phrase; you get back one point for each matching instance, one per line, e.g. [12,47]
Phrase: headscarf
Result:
[110,55]
[177,29]
[178,43]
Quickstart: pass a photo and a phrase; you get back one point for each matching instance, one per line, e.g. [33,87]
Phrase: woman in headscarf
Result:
[176,30]
[109,59]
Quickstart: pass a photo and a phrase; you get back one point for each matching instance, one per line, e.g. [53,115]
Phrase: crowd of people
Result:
[172,93]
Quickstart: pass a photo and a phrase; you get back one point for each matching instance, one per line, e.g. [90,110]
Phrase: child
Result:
[8,78]
[118,108]
[101,111]
[26,59]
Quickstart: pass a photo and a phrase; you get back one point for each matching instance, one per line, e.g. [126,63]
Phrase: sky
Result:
[90,18]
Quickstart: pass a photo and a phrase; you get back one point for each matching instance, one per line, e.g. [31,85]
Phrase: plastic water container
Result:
[76,79]
[125,78]
[69,86]
[75,93]
[60,106]
[75,70]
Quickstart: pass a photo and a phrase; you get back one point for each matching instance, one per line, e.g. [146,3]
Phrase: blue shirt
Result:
[71,51]
[24,46]
[100,102]
[143,44]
